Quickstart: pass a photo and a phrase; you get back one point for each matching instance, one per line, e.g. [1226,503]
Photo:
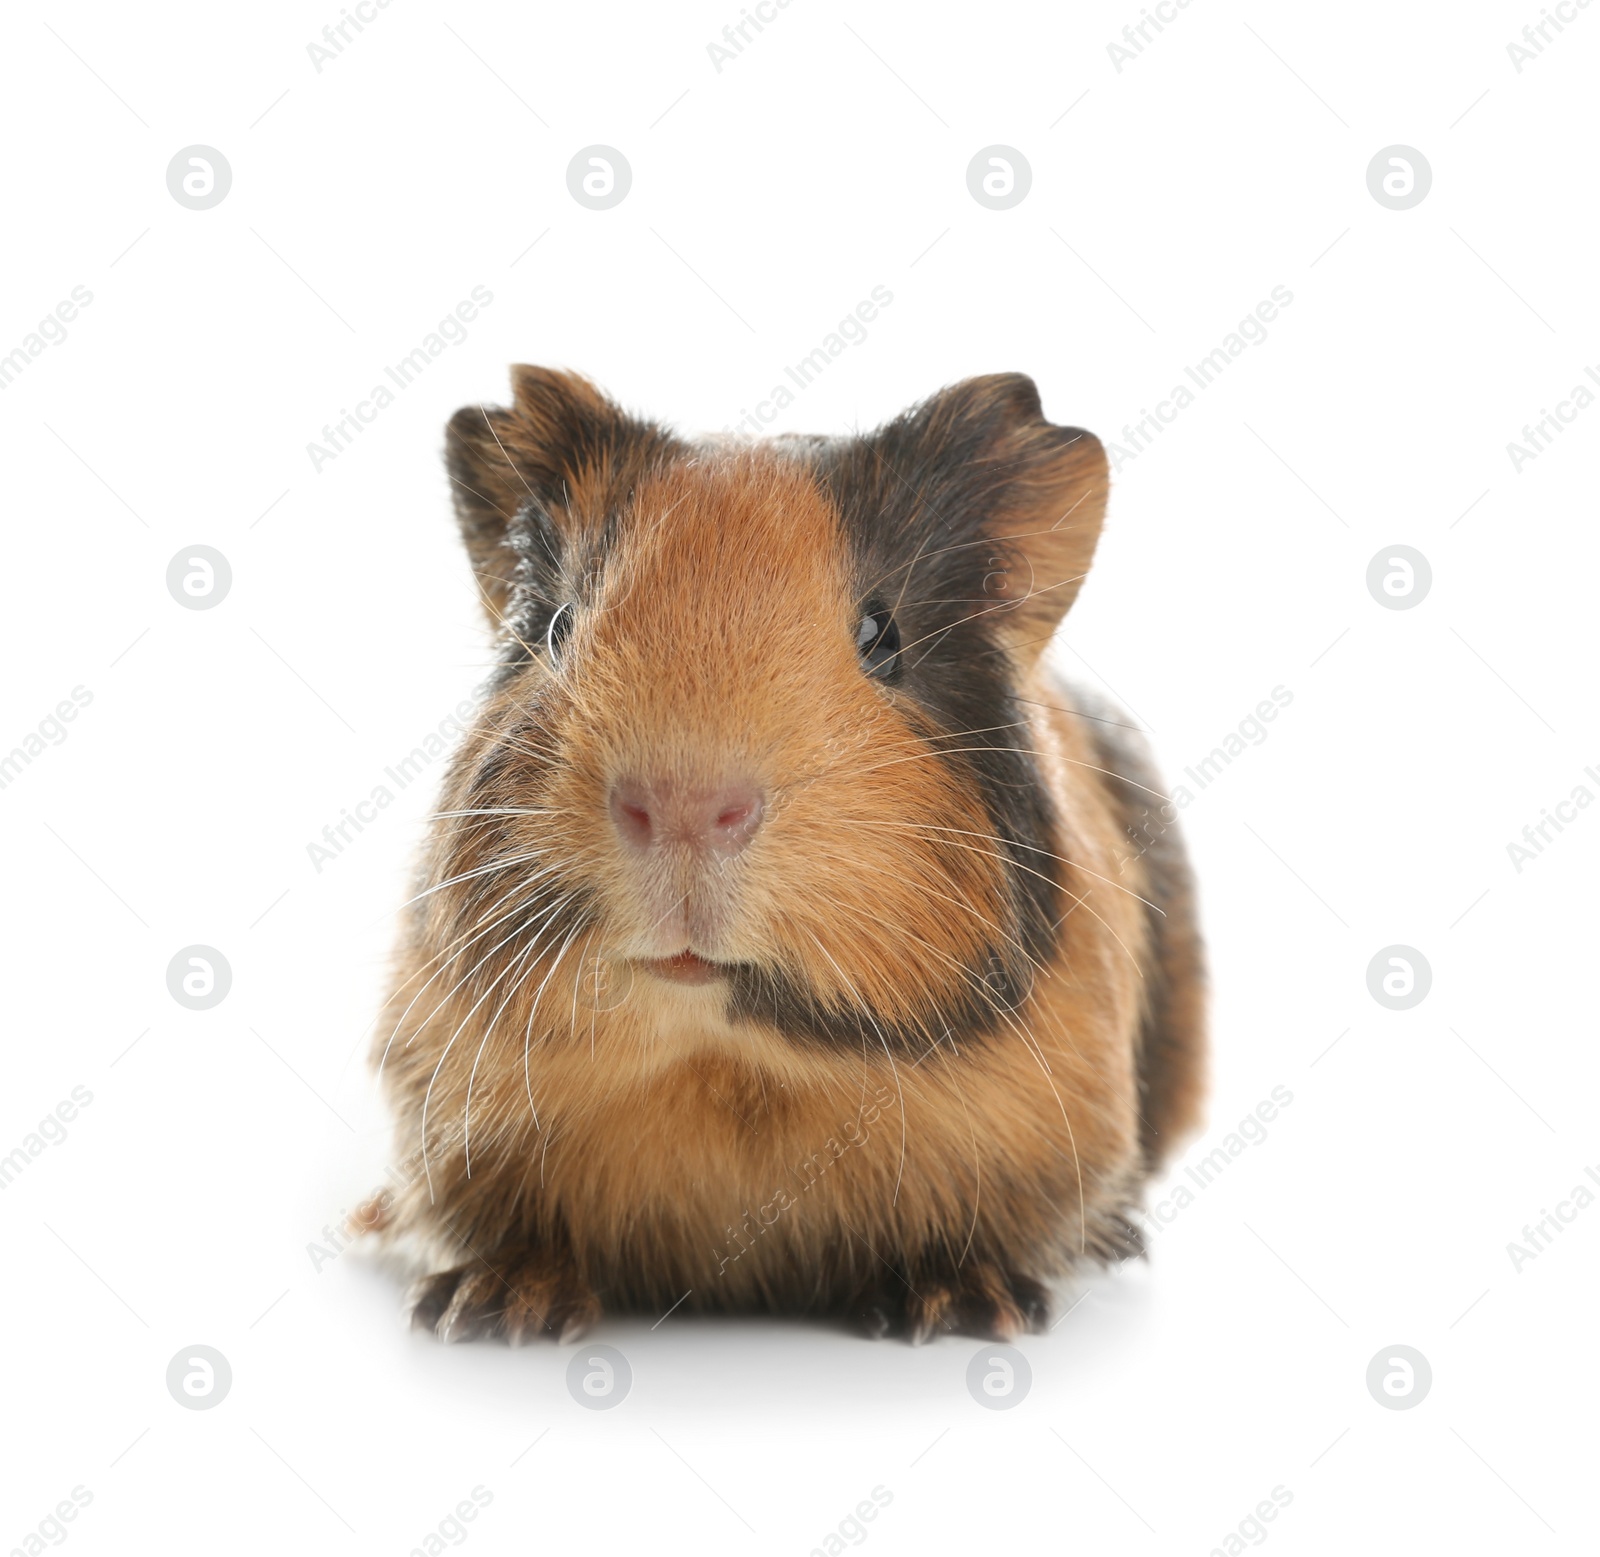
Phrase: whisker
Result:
[527,1041]
[999,605]
[894,1070]
[854,863]
[445,1054]
[1036,1053]
[990,854]
[1078,713]
[1021,751]
[998,1008]
[439,816]
[521,907]
[503,863]
[488,1032]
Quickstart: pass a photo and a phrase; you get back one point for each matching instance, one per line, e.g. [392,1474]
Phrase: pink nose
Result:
[718,819]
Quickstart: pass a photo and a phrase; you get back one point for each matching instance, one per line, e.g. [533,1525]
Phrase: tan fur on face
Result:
[723,641]
[573,1102]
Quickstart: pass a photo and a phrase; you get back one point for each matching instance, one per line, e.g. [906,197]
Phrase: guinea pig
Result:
[788,940]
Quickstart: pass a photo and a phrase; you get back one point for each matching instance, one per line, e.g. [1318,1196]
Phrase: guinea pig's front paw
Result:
[520,1299]
[983,1300]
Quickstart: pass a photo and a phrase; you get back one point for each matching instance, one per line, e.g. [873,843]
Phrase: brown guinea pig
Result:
[789,940]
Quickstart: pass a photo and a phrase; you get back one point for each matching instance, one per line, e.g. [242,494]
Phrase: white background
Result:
[768,199]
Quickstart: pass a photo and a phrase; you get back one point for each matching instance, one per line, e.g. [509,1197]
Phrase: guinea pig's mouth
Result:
[684,968]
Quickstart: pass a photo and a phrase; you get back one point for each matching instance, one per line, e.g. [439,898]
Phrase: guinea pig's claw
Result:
[577,1326]
[1007,1325]
[981,1300]
[454,1327]
[875,1321]
[1033,1304]
[522,1300]
[451,1304]
[425,1300]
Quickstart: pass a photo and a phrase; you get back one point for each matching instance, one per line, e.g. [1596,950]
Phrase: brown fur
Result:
[599,1139]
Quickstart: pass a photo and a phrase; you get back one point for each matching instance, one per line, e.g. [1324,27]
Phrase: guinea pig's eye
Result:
[560,630]
[878,644]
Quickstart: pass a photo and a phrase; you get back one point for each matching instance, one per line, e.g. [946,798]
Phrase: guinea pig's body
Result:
[789,940]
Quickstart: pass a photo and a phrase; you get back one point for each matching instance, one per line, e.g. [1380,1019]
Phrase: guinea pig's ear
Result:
[561,444]
[1038,488]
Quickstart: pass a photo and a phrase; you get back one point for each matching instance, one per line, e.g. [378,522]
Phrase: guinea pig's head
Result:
[756,735]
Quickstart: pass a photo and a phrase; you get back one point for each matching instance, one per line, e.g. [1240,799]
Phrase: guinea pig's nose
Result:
[717,819]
